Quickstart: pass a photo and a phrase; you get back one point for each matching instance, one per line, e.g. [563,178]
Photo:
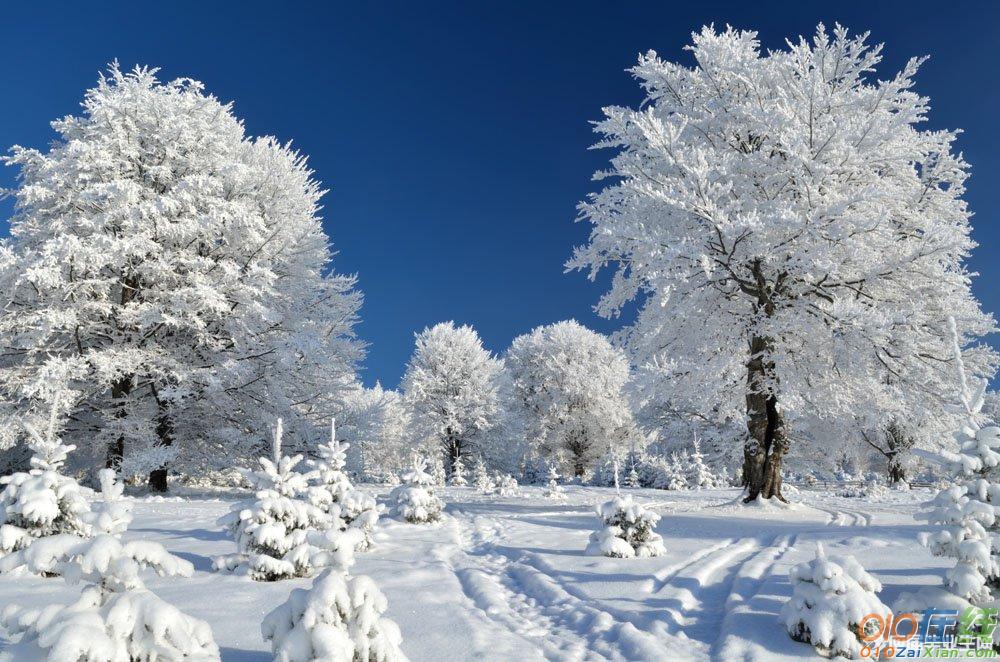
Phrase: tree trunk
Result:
[165,432]
[116,449]
[453,447]
[895,469]
[767,440]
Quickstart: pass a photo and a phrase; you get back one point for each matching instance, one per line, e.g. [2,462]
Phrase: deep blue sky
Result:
[454,136]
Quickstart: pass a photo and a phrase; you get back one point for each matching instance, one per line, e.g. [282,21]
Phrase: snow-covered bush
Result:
[338,619]
[116,618]
[360,511]
[505,485]
[415,500]
[458,478]
[830,596]
[42,501]
[481,477]
[626,530]
[271,529]
[553,489]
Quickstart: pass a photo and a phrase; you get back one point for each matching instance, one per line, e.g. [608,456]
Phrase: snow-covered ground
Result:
[506,578]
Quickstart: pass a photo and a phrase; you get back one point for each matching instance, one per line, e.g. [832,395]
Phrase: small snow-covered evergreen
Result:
[458,478]
[42,501]
[968,508]
[698,474]
[271,530]
[340,618]
[481,477]
[330,481]
[438,474]
[116,619]
[333,492]
[830,596]
[626,530]
[553,489]
[506,485]
[672,475]
[415,500]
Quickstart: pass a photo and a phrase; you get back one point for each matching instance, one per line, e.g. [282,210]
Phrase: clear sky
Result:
[453,137]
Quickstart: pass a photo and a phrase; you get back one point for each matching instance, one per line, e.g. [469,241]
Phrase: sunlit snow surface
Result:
[507,578]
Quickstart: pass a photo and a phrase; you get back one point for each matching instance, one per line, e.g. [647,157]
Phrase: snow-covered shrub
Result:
[42,501]
[626,530]
[481,477]
[506,485]
[338,619]
[116,618]
[271,529]
[830,596]
[458,478]
[553,489]
[438,474]
[415,500]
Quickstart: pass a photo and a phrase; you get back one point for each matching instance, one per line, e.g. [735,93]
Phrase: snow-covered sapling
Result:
[271,529]
[830,597]
[969,509]
[339,619]
[481,477]
[506,485]
[333,492]
[458,478]
[553,489]
[626,530]
[42,501]
[415,500]
[698,473]
[116,617]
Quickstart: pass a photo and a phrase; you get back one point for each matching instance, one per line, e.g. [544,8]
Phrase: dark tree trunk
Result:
[165,433]
[453,446]
[116,449]
[767,440]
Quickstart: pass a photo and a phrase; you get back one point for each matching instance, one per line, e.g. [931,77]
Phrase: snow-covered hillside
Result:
[507,578]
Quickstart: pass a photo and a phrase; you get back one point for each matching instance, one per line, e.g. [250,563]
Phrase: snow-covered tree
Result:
[338,618]
[116,617]
[414,500]
[830,597]
[627,530]
[699,475]
[794,239]
[553,490]
[568,385]
[451,388]
[271,530]
[481,477]
[674,475]
[505,485]
[42,501]
[376,423]
[176,270]
[332,491]
[969,509]
[458,478]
